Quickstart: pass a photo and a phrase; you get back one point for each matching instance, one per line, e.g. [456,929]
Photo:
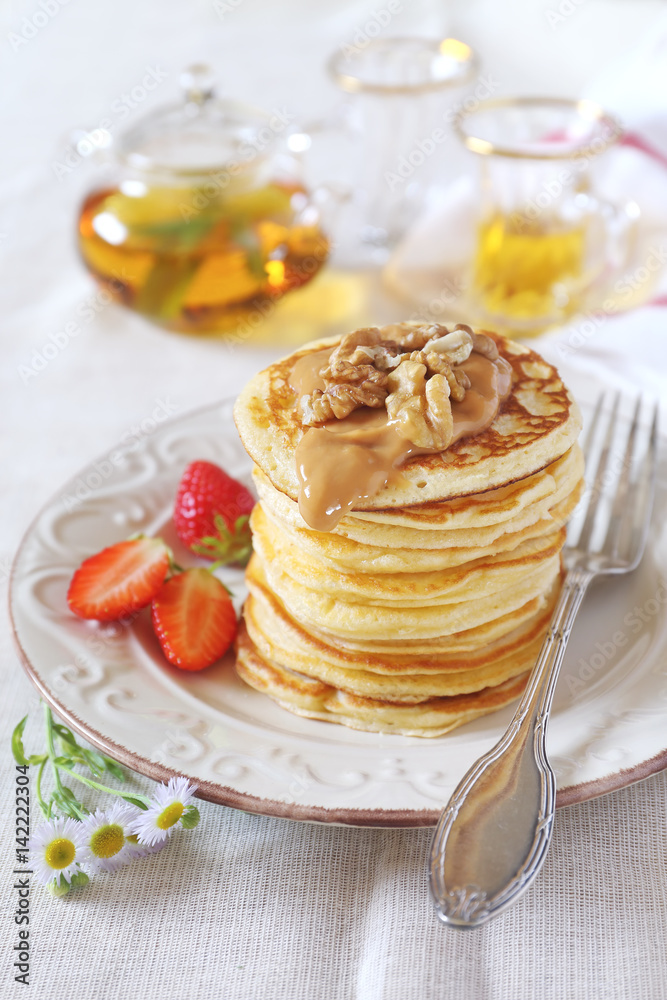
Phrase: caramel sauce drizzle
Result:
[345,461]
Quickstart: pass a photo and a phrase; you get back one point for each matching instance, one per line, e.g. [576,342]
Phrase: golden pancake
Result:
[538,424]
[316,700]
[407,618]
[384,532]
[426,603]
[482,576]
[493,638]
[405,676]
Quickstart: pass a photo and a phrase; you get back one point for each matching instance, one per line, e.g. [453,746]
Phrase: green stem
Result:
[51,749]
[133,796]
[216,565]
[38,791]
[141,800]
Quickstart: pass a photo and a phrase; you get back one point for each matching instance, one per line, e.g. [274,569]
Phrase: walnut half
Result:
[415,373]
[339,400]
[420,409]
[351,380]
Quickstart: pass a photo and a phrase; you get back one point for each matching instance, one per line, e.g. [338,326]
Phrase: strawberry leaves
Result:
[227,546]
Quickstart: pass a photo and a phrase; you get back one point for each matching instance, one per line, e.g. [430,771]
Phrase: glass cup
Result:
[395,118]
[543,239]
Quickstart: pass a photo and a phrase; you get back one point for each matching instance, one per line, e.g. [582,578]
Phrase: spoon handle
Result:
[493,835]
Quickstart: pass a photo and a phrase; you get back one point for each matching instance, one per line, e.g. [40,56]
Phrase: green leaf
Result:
[180,235]
[65,733]
[67,802]
[59,803]
[133,801]
[17,742]
[63,761]
[58,888]
[68,744]
[94,762]
[166,286]
[190,818]
[227,546]
[71,797]
[114,768]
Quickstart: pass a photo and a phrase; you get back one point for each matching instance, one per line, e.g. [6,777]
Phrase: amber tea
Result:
[200,269]
[528,270]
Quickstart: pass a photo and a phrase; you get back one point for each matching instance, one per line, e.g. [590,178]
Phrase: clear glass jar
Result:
[202,220]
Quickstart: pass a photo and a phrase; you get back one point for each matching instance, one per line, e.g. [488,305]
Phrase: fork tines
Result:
[620,476]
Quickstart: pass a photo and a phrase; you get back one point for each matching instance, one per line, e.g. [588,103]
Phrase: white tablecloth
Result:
[248,907]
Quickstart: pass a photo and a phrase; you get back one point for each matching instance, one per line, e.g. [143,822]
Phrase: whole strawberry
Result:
[211,514]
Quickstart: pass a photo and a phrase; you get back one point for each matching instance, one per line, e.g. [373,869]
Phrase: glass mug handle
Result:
[614,231]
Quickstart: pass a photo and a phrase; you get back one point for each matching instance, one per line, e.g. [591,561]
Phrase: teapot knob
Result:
[197,82]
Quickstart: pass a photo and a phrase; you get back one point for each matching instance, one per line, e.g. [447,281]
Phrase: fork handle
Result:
[493,835]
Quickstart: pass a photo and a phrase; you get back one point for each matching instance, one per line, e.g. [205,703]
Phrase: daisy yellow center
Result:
[133,838]
[60,853]
[107,840]
[169,816]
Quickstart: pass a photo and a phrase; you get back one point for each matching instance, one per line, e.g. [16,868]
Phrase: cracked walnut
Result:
[415,376]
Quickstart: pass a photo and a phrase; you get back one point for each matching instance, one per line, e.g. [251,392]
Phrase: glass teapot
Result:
[202,221]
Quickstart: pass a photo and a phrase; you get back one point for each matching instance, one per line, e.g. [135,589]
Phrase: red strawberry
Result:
[211,514]
[120,580]
[194,619]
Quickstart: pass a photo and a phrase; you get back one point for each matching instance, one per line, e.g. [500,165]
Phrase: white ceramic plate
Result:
[112,685]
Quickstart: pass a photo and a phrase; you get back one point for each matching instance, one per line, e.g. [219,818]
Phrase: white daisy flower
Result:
[169,803]
[56,849]
[105,832]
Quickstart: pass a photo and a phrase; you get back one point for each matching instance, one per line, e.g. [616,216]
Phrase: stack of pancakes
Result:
[426,605]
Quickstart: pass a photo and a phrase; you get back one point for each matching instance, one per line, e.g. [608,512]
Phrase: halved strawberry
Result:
[120,580]
[194,619]
[211,514]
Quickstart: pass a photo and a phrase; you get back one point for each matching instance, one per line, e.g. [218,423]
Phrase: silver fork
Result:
[493,836]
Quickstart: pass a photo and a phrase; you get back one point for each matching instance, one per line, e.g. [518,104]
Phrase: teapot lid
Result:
[200,134]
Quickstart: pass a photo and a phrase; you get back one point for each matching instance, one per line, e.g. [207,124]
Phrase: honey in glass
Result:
[547,243]
[527,269]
